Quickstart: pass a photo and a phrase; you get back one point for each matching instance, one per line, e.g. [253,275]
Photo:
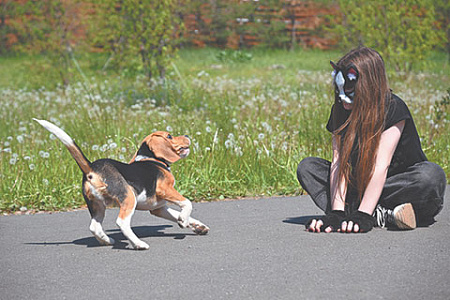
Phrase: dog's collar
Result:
[146,158]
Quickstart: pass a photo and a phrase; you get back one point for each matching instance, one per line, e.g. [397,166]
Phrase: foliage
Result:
[402,31]
[47,27]
[442,9]
[141,35]
[226,56]
[250,124]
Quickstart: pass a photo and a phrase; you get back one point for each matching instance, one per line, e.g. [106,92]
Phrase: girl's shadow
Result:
[302,220]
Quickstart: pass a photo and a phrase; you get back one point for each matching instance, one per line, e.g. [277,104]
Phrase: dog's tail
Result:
[77,154]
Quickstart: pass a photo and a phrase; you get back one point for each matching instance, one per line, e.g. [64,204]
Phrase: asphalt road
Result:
[256,249]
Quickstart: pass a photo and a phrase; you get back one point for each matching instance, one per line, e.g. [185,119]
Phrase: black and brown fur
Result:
[145,183]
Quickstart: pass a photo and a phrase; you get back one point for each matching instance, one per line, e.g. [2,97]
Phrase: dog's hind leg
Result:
[97,230]
[174,215]
[97,210]
[127,208]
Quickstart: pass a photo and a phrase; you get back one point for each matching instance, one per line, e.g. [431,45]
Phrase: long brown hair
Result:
[362,130]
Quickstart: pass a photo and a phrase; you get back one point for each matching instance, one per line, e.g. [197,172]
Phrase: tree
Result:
[131,29]
[403,31]
[47,27]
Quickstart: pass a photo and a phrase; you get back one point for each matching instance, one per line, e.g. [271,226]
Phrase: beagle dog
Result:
[145,183]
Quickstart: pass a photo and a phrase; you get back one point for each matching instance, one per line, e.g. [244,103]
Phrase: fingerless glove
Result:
[364,220]
[332,219]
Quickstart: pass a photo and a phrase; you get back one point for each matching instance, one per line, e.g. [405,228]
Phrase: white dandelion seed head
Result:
[228,144]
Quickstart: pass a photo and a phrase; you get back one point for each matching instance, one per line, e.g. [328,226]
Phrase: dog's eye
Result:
[169,136]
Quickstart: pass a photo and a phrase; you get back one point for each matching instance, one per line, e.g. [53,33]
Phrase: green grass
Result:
[251,122]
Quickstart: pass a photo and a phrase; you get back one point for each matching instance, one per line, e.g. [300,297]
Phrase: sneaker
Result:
[401,216]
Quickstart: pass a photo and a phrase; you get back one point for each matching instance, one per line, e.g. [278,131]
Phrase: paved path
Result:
[257,249]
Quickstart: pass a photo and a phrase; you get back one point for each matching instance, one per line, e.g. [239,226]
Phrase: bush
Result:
[402,31]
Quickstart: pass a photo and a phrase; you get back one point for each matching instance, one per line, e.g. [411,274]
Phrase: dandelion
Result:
[52,136]
[208,129]
[238,151]
[112,146]
[32,167]
[267,127]
[27,157]
[94,147]
[20,139]
[44,154]
[13,161]
[228,144]
[45,181]
[261,136]
[168,128]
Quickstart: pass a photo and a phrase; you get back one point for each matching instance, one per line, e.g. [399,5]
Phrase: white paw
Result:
[198,228]
[140,245]
[183,223]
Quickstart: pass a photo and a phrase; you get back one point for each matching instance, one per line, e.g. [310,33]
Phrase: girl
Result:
[379,175]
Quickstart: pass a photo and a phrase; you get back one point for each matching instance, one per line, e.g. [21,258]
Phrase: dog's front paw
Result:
[141,246]
[183,223]
[200,229]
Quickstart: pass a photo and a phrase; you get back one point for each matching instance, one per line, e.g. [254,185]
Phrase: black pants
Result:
[422,185]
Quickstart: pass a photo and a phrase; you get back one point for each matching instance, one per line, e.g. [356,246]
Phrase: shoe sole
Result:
[404,216]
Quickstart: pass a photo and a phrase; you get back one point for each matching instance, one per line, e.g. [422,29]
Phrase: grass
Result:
[250,121]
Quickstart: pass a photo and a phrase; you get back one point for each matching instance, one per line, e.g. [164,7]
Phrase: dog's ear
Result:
[163,148]
[143,150]
[134,158]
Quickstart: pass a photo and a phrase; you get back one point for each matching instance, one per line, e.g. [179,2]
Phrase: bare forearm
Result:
[373,191]
[337,189]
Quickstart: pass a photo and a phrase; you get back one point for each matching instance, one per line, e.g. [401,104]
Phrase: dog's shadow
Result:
[302,220]
[121,242]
